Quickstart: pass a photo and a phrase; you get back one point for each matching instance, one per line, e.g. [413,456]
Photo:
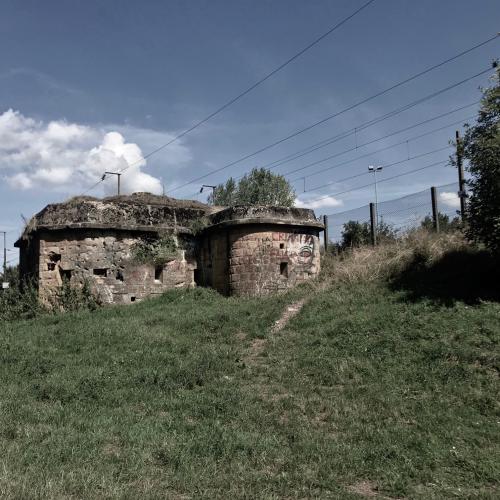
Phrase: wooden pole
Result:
[461,180]
[325,232]
[373,223]
[435,211]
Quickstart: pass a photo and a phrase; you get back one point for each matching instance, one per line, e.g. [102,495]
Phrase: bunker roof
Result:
[260,214]
[149,212]
[138,211]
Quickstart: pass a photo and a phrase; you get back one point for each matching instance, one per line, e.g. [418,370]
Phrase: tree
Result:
[259,187]
[445,224]
[481,147]
[355,233]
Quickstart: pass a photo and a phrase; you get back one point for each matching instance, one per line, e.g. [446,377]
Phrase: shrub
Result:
[156,251]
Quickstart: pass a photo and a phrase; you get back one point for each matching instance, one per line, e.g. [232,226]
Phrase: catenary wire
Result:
[349,108]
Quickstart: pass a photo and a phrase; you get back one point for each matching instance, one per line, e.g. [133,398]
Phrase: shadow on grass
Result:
[470,276]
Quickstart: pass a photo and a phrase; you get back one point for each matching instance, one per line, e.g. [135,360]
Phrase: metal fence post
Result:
[373,223]
[325,232]
[435,211]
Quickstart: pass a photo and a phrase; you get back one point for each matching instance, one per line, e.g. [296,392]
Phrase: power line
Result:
[331,140]
[414,138]
[257,83]
[388,165]
[349,108]
[357,188]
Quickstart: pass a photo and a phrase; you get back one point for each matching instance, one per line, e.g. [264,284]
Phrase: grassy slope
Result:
[191,394]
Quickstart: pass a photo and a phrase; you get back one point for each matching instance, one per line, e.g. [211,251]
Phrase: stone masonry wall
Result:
[261,258]
[104,258]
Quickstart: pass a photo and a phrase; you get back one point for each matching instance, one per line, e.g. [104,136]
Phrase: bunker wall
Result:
[104,258]
[258,259]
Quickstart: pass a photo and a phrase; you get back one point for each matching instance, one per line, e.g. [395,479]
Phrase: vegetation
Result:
[356,234]
[20,300]
[259,187]
[377,387]
[156,251]
[445,223]
[481,147]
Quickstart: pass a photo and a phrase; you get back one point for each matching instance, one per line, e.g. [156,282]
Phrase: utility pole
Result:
[118,175]
[4,256]
[461,181]
[373,169]
[435,211]
[325,233]
[373,223]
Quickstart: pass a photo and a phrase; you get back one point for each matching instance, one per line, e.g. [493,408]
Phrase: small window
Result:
[65,274]
[282,245]
[158,273]
[51,266]
[132,299]
[119,275]
[55,257]
[284,269]
[101,272]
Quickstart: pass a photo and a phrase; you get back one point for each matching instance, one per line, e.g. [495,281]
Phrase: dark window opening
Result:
[132,299]
[284,269]
[101,272]
[197,276]
[65,274]
[282,245]
[158,273]
[119,275]
[51,266]
[55,257]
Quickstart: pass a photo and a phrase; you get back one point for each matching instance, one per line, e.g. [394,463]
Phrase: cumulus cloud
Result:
[449,199]
[70,157]
[307,202]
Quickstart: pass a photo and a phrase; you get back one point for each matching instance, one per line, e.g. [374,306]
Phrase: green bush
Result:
[156,251]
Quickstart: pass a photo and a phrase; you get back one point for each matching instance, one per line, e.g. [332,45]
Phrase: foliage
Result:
[156,251]
[198,224]
[20,300]
[191,395]
[481,147]
[259,187]
[356,234]
[73,298]
[445,223]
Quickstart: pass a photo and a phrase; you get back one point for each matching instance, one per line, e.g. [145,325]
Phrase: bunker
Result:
[134,246]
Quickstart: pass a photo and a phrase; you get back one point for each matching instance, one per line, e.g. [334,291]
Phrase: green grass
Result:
[191,395]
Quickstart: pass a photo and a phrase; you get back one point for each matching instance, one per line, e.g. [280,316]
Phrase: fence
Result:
[401,214]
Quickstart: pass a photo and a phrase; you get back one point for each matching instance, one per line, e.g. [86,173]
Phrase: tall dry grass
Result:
[388,259]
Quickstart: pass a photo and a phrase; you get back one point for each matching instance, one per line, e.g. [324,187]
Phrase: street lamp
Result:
[213,191]
[118,175]
[375,169]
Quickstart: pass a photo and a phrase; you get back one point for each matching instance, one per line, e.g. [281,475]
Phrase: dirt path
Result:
[290,311]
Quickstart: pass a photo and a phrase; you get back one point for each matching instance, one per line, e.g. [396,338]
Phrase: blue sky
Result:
[88,86]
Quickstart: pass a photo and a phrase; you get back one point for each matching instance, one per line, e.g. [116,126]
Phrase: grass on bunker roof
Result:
[191,395]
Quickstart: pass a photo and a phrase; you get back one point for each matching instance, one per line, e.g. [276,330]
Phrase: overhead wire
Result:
[349,108]
[357,188]
[256,84]
[326,142]
[385,148]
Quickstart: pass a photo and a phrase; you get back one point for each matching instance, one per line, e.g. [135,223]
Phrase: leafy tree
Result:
[355,233]
[259,187]
[481,147]
[445,223]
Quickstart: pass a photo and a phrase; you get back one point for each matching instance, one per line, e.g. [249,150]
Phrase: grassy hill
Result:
[377,388]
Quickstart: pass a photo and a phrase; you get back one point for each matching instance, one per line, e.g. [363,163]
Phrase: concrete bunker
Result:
[236,250]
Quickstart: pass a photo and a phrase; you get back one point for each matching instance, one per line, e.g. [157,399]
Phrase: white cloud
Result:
[66,156]
[328,201]
[449,199]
